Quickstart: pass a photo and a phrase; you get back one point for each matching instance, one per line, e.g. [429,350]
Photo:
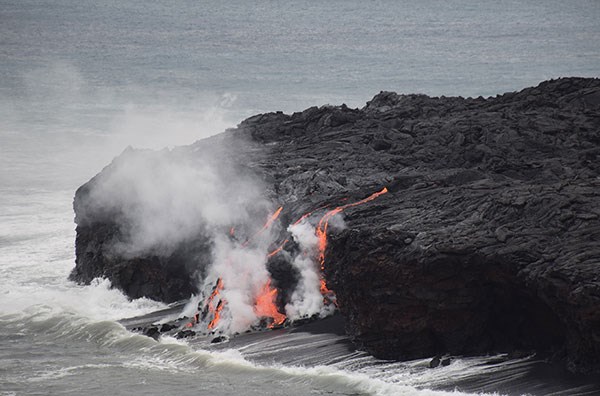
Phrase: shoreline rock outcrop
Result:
[488,240]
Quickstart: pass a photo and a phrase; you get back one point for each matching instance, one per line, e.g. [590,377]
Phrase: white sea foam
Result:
[64,372]
[325,377]
[35,267]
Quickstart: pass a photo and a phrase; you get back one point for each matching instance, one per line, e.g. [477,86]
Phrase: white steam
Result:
[307,299]
[165,198]
[244,273]
[168,198]
[158,125]
[65,125]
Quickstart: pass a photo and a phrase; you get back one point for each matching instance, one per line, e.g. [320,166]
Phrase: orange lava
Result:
[324,290]
[265,305]
[321,230]
[273,217]
[265,227]
[279,249]
[321,233]
[217,315]
[216,311]
[304,216]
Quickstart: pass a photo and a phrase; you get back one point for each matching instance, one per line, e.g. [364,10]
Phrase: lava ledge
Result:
[488,240]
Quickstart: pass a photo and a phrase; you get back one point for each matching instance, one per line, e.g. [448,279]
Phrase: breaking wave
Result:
[175,357]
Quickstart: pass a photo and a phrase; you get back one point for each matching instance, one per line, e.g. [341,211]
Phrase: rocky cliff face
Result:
[488,240]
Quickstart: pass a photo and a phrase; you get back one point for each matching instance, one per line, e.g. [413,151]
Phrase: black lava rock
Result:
[152,332]
[435,362]
[487,240]
[185,334]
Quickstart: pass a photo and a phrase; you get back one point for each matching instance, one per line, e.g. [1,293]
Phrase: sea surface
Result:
[82,80]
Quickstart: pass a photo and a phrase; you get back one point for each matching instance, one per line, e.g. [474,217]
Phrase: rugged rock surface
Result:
[489,239]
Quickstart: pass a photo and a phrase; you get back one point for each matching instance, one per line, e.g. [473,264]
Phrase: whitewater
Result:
[81,82]
[60,338]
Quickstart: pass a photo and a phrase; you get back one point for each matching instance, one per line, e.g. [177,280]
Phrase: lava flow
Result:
[321,233]
[265,305]
[321,230]
[270,221]
[216,311]
[300,220]
[279,249]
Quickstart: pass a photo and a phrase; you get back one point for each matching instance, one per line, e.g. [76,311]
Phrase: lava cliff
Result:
[488,239]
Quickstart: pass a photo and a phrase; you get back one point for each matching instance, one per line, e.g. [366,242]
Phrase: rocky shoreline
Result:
[488,239]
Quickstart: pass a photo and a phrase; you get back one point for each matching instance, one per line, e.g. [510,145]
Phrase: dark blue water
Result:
[81,80]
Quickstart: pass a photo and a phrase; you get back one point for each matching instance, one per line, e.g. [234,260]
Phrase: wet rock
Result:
[167,327]
[218,339]
[435,362]
[185,334]
[152,332]
[519,354]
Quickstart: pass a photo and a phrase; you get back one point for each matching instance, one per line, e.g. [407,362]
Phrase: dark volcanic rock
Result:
[489,239]
[165,278]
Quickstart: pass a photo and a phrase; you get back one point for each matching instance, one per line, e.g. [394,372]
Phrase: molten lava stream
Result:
[302,218]
[216,311]
[265,305]
[265,227]
[217,315]
[321,233]
[321,230]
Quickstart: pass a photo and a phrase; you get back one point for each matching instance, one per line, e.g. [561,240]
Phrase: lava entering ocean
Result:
[260,309]
[216,311]
[265,305]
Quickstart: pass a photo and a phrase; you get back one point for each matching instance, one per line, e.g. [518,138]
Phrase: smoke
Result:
[167,197]
[307,299]
[64,124]
[71,124]
[166,124]
[163,199]
[244,273]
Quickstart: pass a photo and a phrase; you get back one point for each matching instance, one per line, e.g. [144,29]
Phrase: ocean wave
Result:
[65,372]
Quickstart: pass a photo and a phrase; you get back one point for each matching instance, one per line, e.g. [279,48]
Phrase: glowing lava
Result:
[321,233]
[300,220]
[265,302]
[217,315]
[216,311]
[279,249]
[321,230]
[265,305]
[265,227]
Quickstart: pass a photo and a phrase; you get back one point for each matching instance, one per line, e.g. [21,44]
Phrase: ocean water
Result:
[80,81]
